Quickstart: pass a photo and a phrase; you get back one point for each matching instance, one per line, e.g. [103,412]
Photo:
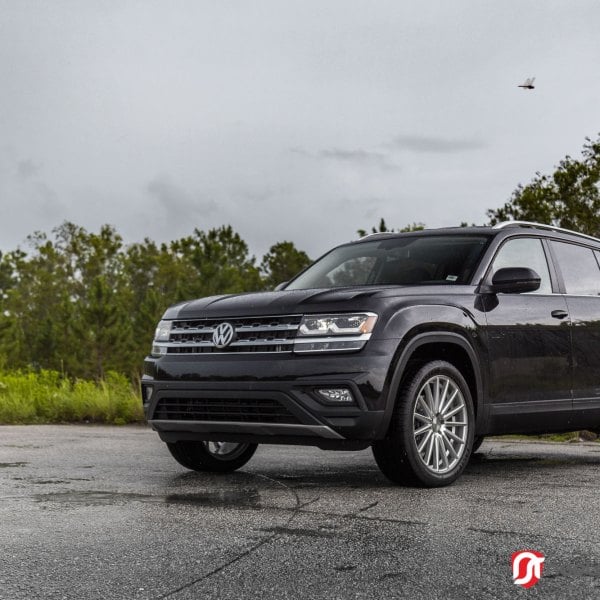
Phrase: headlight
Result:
[334,333]
[162,334]
[355,324]
[163,331]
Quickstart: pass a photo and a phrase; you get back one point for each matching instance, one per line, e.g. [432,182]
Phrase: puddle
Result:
[552,461]
[242,498]
[504,458]
[47,481]
[21,446]
[94,498]
[559,461]
[14,464]
[69,480]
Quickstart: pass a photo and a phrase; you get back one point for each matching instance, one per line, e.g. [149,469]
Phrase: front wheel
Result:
[477,441]
[220,457]
[431,434]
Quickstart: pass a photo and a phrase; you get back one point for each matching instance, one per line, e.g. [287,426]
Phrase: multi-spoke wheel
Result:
[440,424]
[221,457]
[431,434]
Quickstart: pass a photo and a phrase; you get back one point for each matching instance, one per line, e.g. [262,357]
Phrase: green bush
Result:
[48,397]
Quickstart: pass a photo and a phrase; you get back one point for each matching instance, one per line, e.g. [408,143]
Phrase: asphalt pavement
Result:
[90,512]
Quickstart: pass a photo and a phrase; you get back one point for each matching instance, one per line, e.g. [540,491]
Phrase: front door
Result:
[529,347]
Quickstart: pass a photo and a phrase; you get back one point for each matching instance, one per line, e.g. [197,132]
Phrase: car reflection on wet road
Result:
[101,512]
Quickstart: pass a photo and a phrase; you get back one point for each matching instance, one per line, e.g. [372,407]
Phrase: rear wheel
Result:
[221,457]
[431,434]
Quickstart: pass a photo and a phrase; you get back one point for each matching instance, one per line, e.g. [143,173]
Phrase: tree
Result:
[412,227]
[100,301]
[35,306]
[217,262]
[281,263]
[569,197]
[384,229]
[153,277]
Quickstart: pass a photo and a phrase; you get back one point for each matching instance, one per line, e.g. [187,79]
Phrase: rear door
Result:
[578,270]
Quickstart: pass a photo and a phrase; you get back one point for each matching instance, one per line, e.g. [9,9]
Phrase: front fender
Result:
[461,330]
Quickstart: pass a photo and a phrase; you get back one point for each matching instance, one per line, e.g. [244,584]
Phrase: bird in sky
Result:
[528,85]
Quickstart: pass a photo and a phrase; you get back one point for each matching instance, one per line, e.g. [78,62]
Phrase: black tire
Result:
[197,456]
[477,441]
[398,455]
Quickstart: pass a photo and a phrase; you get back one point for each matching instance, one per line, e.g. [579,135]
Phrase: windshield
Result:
[410,260]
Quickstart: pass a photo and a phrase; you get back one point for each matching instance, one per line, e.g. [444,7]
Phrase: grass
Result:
[47,397]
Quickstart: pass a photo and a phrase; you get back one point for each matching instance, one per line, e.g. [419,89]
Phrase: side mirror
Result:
[515,280]
[280,286]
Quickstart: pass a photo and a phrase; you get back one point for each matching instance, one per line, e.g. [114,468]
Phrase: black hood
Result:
[300,301]
[276,303]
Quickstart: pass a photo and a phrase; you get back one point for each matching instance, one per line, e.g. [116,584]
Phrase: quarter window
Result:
[528,253]
[579,269]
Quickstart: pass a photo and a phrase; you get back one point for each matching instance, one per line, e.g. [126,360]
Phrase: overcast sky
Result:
[301,121]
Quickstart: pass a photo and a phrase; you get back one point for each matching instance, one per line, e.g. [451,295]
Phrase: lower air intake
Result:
[223,409]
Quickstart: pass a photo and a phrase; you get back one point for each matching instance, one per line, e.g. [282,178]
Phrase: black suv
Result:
[417,344]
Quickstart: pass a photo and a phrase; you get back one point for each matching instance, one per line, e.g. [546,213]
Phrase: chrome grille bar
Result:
[254,334]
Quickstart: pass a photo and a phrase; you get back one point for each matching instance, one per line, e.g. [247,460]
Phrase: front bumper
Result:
[269,398]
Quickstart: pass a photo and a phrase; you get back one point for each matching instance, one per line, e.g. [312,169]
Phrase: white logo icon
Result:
[529,574]
[223,335]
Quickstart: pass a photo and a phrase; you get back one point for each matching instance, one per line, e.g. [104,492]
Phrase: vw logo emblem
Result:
[223,335]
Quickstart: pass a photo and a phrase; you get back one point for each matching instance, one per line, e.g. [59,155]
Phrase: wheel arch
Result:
[451,347]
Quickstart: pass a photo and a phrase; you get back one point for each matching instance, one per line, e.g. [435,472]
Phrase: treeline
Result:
[84,303]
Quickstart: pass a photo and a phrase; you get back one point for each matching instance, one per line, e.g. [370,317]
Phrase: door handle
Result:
[559,314]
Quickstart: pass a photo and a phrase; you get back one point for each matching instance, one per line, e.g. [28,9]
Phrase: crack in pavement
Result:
[252,549]
[543,536]
[362,509]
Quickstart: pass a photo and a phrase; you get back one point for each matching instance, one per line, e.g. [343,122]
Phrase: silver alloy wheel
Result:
[440,424]
[225,450]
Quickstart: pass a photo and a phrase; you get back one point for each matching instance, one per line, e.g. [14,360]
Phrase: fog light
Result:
[336,395]
[159,350]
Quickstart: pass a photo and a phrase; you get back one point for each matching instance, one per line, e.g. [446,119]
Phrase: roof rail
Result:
[368,235]
[543,226]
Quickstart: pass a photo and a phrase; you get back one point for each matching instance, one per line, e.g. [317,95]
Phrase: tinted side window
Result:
[525,252]
[579,269]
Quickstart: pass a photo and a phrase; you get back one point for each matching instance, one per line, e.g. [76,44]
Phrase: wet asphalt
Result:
[105,512]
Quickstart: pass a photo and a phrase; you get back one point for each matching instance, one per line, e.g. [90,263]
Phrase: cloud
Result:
[301,151]
[438,145]
[262,195]
[27,169]
[175,199]
[357,157]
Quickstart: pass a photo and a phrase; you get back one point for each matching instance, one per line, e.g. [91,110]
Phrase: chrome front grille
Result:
[253,334]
